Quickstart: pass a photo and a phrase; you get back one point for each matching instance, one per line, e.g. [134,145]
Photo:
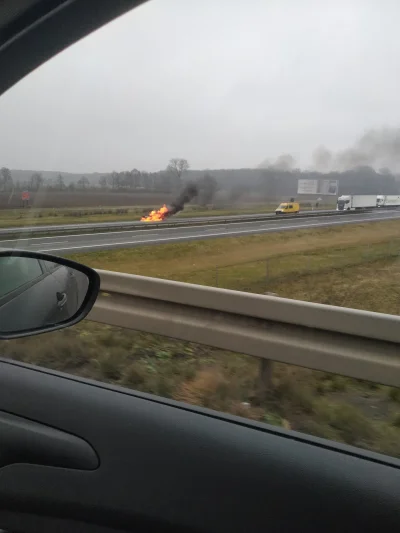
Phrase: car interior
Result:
[84,456]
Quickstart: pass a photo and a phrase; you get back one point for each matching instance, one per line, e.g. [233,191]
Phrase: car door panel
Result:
[26,441]
[166,463]
[31,523]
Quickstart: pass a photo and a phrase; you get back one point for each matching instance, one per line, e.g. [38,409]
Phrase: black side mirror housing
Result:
[41,293]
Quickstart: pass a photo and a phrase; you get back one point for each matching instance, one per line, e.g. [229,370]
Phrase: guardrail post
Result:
[265,374]
[216,276]
[308,276]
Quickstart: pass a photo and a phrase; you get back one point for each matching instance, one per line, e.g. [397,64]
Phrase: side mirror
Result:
[41,292]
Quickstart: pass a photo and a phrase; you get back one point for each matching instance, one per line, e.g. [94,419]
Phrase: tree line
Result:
[236,183]
[165,181]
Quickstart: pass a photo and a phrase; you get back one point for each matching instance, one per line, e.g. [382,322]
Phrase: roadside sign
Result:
[25,196]
[307,186]
[326,187]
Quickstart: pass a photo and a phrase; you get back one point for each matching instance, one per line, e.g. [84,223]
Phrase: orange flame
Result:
[156,216]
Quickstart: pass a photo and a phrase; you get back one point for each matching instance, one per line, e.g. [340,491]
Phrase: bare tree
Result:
[36,181]
[60,185]
[114,180]
[103,182]
[177,167]
[83,183]
[6,180]
[136,178]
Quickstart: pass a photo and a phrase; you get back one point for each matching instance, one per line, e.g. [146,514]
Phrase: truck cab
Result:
[356,201]
[343,203]
[287,207]
[380,200]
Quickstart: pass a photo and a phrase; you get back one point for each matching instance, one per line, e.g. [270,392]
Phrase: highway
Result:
[90,242]
[76,228]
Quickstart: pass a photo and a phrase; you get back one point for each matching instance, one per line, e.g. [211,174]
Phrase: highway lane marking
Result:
[181,228]
[219,219]
[345,221]
[233,234]
[78,235]
[57,242]
[94,234]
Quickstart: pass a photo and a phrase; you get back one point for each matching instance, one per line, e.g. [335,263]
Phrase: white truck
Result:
[356,201]
[388,200]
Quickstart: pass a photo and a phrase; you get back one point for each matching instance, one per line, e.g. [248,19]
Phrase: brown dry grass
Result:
[180,261]
[334,407]
[355,265]
[38,216]
[91,198]
[371,286]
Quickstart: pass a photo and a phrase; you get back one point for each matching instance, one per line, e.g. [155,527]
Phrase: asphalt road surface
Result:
[91,242]
[118,225]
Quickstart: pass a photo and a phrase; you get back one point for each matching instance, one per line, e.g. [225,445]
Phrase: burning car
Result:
[158,215]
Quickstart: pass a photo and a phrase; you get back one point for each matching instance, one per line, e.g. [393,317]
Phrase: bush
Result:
[111,364]
[134,376]
[396,421]
[347,421]
[93,212]
[206,389]
[394,394]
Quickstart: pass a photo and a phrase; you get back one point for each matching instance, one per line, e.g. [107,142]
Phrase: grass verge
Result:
[355,266]
[249,263]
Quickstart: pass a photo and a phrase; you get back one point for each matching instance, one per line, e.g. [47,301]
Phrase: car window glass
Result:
[16,272]
[272,104]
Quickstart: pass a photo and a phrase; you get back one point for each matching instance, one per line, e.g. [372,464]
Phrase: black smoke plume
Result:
[189,192]
[376,148]
[284,162]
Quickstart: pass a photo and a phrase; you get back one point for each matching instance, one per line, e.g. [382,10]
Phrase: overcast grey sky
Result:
[225,84]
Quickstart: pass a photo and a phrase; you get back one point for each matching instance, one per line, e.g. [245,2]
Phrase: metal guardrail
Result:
[354,343]
[200,221]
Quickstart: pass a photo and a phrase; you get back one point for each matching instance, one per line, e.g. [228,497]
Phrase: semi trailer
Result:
[356,201]
[388,200]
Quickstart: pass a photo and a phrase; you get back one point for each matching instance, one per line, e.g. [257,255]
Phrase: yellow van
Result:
[288,207]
